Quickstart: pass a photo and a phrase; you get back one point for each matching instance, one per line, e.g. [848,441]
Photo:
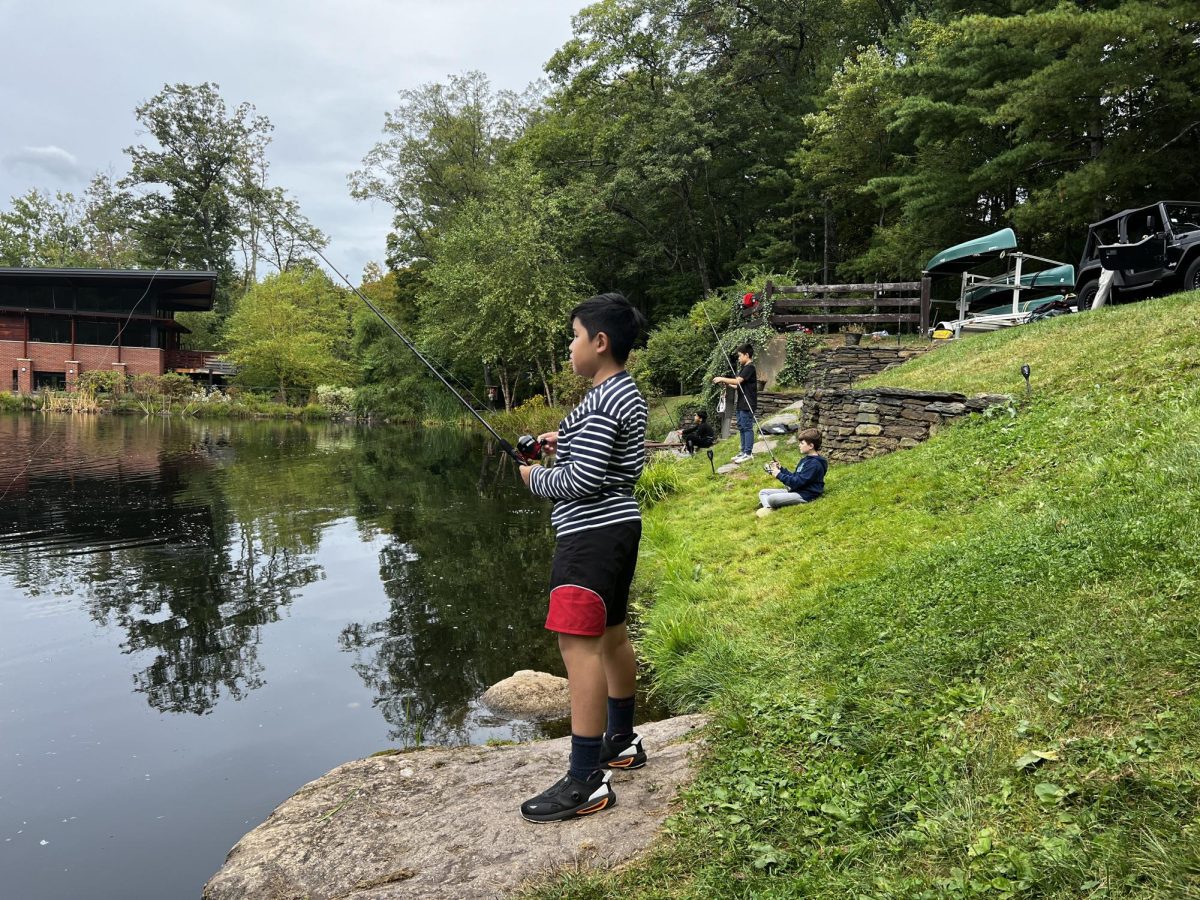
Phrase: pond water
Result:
[196,619]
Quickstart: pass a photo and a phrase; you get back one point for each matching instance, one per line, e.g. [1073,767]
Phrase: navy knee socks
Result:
[620,717]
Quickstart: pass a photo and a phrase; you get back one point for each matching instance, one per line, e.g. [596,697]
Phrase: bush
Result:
[175,386]
[101,381]
[676,353]
[568,387]
[336,400]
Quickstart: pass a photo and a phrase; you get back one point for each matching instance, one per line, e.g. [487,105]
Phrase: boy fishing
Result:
[600,454]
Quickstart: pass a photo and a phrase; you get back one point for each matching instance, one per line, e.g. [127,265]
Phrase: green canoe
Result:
[963,256]
[1049,279]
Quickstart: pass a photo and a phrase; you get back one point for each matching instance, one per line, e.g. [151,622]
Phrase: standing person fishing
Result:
[600,454]
[746,381]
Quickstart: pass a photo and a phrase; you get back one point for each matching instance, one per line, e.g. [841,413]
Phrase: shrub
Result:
[175,386]
[336,400]
[568,387]
[101,381]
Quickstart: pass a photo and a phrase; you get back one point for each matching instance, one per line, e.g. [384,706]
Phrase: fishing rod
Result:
[528,448]
[740,387]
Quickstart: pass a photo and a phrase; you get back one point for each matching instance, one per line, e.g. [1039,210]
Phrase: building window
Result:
[115,300]
[50,329]
[136,334]
[16,382]
[96,332]
[49,381]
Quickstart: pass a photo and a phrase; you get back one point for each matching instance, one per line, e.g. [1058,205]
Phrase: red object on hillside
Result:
[748,300]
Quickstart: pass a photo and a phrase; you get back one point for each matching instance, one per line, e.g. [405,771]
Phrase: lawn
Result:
[970,670]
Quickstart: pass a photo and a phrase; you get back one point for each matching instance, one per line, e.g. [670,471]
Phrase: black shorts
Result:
[590,578]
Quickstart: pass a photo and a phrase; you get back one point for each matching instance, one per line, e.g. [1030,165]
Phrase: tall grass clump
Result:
[659,478]
[970,670]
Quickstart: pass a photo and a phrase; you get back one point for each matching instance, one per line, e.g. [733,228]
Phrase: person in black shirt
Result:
[746,383]
[699,433]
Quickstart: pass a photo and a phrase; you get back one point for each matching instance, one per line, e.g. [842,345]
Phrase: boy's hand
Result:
[774,467]
[549,441]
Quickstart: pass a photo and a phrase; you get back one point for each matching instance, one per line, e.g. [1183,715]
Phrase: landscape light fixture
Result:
[1025,374]
[710,461]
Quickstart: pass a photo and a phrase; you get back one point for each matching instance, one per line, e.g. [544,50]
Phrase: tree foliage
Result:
[500,287]
[291,332]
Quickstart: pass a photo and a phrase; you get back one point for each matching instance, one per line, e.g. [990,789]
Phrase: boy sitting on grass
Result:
[600,453]
[804,485]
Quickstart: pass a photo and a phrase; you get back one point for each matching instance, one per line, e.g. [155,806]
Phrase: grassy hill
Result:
[973,668]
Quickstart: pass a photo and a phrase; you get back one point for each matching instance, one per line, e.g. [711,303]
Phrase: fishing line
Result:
[740,387]
[508,448]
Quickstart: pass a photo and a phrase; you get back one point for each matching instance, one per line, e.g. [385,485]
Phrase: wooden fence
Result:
[905,302]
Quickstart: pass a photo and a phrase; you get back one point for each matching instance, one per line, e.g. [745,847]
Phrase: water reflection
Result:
[190,539]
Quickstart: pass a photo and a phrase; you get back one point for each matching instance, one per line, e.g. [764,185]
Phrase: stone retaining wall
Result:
[859,424]
[840,367]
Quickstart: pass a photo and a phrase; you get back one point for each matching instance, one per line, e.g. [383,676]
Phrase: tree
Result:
[441,141]
[61,230]
[393,381]
[198,167]
[500,287]
[292,332]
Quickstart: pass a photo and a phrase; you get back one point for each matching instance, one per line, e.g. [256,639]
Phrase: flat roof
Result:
[178,289]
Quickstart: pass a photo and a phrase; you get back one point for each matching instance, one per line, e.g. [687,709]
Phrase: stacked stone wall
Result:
[859,424]
[839,367]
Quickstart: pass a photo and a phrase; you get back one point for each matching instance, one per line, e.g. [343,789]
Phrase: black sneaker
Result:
[570,797]
[624,754]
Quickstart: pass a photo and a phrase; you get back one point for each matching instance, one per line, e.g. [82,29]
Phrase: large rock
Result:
[530,695]
[446,823]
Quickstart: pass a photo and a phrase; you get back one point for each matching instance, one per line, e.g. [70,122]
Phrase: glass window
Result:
[114,299]
[1184,217]
[96,332]
[136,334]
[49,381]
[50,329]
[25,296]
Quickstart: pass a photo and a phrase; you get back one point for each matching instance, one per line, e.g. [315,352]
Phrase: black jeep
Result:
[1152,250]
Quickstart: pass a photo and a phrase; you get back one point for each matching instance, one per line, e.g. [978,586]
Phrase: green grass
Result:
[879,662]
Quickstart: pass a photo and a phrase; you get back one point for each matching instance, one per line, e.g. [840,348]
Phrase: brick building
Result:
[58,323]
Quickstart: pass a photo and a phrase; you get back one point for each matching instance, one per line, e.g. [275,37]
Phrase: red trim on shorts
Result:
[576,610]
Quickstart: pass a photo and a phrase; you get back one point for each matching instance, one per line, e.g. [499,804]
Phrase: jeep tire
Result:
[1191,278]
[1086,294]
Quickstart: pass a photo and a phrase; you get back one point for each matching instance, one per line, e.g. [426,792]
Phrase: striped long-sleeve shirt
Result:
[601,451]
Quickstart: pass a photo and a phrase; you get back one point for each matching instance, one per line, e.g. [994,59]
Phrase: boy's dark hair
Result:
[702,415]
[812,436]
[748,349]
[616,317]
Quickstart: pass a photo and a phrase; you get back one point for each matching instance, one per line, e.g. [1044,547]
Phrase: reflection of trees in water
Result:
[191,537]
[464,574]
[187,560]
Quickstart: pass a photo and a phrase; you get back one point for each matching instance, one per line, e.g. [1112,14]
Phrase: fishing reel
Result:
[529,448]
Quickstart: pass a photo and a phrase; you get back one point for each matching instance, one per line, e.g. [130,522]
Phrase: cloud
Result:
[49,160]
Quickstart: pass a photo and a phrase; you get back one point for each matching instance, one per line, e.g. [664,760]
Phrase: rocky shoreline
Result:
[444,823]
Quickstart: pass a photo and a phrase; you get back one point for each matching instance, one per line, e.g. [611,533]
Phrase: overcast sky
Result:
[71,73]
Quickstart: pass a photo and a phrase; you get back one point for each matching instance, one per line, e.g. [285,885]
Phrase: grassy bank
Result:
[972,669]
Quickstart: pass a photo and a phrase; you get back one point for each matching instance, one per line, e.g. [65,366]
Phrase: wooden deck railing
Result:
[906,302]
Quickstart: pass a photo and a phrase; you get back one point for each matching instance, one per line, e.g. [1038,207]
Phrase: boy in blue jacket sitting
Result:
[804,485]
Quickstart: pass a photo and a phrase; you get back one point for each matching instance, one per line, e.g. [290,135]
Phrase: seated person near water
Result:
[699,433]
[804,485]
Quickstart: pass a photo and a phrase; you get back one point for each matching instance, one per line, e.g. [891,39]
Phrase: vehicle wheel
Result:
[1087,293]
[1191,278]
